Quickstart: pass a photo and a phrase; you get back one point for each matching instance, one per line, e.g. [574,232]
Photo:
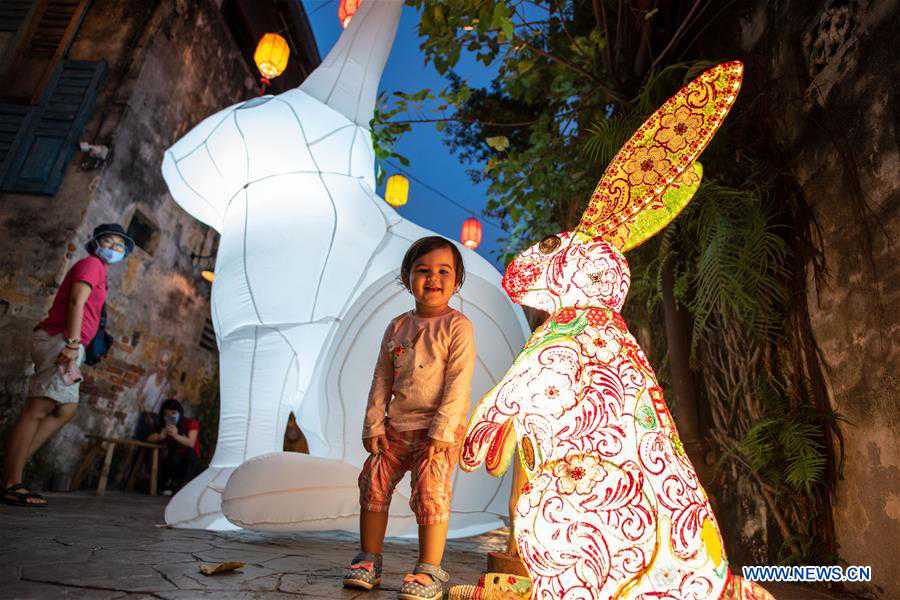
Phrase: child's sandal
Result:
[364,572]
[417,586]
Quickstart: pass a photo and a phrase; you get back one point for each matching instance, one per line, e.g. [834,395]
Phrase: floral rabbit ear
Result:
[652,173]
[659,213]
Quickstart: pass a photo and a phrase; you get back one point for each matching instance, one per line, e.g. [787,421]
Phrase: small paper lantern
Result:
[471,233]
[346,10]
[208,275]
[397,190]
[271,56]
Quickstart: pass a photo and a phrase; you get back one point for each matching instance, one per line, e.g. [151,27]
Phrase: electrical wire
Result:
[444,196]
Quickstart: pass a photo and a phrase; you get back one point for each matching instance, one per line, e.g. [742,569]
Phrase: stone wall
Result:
[171,64]
[832,67]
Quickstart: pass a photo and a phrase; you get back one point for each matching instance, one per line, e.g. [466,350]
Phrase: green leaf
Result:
[499,142]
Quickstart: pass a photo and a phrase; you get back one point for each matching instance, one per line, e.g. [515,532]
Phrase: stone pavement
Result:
[88,547]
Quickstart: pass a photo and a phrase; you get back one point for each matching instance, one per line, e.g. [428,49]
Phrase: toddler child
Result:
[416,418]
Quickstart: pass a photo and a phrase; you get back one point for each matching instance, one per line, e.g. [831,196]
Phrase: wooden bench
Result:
[96,449]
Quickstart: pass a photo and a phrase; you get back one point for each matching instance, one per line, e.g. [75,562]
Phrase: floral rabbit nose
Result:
[519,277]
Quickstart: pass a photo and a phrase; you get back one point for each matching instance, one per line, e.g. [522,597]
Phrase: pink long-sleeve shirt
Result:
[423,377]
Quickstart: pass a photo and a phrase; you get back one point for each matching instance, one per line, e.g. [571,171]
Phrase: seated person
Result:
[180,434]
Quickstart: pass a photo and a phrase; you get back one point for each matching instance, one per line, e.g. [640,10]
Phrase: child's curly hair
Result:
[423,246]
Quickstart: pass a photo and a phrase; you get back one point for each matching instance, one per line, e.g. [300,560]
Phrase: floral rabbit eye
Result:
[549,244]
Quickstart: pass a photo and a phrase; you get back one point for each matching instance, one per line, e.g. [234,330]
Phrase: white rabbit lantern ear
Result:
[655,173]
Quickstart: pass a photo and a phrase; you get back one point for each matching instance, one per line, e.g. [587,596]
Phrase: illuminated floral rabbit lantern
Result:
[612,507]
[305,283]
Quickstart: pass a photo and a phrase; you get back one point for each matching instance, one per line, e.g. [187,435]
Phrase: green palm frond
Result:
[606,136]
[739,262]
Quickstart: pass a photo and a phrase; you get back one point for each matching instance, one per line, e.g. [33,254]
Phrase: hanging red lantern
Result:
[471,233]
[346,10]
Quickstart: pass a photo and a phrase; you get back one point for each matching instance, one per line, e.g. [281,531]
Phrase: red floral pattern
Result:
[661,150]
[613,507]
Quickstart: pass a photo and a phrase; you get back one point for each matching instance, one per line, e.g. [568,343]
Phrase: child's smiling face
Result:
[432,280]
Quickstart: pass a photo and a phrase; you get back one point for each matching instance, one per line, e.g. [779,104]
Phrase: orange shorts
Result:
[432,481]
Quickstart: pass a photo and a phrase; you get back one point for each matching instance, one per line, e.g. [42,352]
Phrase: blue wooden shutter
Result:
[38,164]
[13,13]
[15,121]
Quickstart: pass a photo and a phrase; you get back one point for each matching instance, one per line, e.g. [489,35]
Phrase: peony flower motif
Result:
[647,166]
[532,493]
[552,391]
[598,346]
[679,129]
[601,274]
[578,474]
[602,283]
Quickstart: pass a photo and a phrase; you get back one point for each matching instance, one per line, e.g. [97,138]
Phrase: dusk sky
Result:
[430,160]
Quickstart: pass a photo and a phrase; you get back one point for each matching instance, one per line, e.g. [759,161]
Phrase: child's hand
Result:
[436,447]
[375,444]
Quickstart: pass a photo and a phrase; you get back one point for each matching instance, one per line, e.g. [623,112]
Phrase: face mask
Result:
[172,419]
[110,256]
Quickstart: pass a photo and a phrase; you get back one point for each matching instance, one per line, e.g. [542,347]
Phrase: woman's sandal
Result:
[364,572]
[425,583]
[15,496]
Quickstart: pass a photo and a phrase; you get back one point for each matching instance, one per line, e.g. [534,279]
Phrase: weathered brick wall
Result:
[833,69]
[171,64]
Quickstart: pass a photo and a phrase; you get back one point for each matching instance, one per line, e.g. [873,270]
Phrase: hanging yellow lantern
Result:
[271,56]
[346,10]
[471,233]
[397,190]
[208,275]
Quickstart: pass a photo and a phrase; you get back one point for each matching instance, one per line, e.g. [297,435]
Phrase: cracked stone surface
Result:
[108,548]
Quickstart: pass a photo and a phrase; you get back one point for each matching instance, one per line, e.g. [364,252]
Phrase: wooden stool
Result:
[97,448]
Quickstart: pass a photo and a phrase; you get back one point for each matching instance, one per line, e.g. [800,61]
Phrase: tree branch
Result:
[609,91]
[600,18]
[677,34]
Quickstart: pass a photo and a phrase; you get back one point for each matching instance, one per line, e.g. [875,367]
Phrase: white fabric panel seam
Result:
[250,393]
[198,194]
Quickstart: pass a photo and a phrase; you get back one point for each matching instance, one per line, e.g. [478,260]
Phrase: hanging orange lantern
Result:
[471,233]
[397,191]
[271,57]
[346,10]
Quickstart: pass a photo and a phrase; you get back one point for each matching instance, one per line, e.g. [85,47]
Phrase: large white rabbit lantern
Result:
[305,283]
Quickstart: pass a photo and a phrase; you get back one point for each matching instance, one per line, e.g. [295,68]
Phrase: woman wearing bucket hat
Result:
[58,351]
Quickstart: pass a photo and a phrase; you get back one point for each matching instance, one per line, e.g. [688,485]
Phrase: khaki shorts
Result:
[47,381]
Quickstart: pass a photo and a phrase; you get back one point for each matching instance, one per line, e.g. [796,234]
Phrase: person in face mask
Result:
[180,434]
[58,351]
